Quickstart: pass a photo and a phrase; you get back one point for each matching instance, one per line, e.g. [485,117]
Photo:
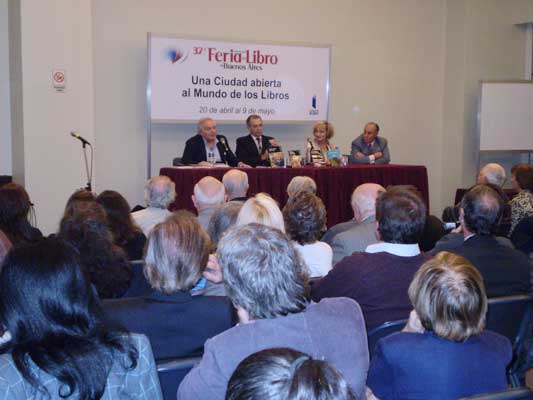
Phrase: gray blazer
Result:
[141,383]
[380,144]
[332,330]
[354,239]
[336,229]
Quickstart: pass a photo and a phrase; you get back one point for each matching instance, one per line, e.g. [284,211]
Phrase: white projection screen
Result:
[191,79]
[506,116]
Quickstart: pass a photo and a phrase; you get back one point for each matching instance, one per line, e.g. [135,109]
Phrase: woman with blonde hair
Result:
[318,147]
[261,209]
[444,351]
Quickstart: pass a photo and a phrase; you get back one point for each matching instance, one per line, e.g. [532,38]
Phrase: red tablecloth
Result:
[335,184]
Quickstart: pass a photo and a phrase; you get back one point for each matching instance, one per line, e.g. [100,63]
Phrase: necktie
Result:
[369,148]
[259,145]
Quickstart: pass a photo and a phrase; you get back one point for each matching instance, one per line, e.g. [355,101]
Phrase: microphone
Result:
[80,138]
[223,141]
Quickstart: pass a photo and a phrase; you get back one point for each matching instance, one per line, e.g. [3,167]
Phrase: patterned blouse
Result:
[521,207]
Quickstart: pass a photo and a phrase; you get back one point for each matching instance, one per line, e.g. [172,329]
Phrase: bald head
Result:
[208,193]
[364,200]
[492,173]
[481,210]
[236,183]
[159,192]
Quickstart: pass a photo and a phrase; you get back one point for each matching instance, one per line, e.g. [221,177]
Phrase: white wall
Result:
[52,34]
[5,104]
[388,60]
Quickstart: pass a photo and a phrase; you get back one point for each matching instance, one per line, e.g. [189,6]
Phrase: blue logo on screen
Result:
[313,102]
[176,55]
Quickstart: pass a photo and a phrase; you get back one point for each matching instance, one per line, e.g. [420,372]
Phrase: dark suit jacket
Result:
[247,150]
[195,151]
[505,271]
[177,325]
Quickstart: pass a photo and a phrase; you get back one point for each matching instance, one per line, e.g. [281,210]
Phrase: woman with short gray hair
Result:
[443,349]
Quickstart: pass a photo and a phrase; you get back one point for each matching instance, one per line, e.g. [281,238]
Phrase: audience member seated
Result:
[265,279]
[261,209]
[443,352]
[286,374]
[104,263]
[301,184]
[77,199]
[159,193]
[14,210]
[5,246]
[224,217]
[357,234]
[236,185]
[126,234]
[505,271]
[176,322]
[378,279]
[318,147]
[55,345]
[492,175]
[209,193]
[305,221]
[522,203]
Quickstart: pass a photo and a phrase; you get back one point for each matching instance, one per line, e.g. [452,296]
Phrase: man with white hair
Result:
[301,184]
[492,173]
[208,194]
[159,193]
[236,185]
[362,233]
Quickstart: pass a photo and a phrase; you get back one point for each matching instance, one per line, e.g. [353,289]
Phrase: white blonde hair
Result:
[261,209]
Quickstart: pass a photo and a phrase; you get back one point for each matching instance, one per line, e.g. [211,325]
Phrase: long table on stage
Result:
[335,184]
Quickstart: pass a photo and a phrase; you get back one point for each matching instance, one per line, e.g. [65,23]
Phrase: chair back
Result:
[139,285]
[521,393]
[383,330]
[522,236]
[171,372]
[510,316]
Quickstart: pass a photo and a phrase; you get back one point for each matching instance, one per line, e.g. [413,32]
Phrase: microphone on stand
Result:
[79,137]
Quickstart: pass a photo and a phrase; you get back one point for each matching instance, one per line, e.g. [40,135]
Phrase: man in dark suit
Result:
[208,143]
[368,148]
[253,148]
[505,271]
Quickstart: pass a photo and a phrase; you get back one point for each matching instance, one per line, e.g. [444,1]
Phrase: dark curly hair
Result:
[14,208]
[401,215]
[305,218]
[118,216]
[104,263]
[482,207]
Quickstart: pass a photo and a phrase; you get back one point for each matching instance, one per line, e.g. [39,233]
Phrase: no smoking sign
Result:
[59,79]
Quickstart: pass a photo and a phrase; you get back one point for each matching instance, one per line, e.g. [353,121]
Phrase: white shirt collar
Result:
[402,250]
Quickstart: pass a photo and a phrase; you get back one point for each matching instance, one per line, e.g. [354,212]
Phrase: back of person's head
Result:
[224,217]
[286,374]
[363,200]
[118,215]
[76,200]
[104,263]
[5,246]
[236,183]
[14,208]
[449,297]
[208,192]
[305,218]
[159,192]
[523,175]
[401,215]
[482,210]
[492,173]
[261,209]
[176,254]
[53,318]
[263,273]
[301,184]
